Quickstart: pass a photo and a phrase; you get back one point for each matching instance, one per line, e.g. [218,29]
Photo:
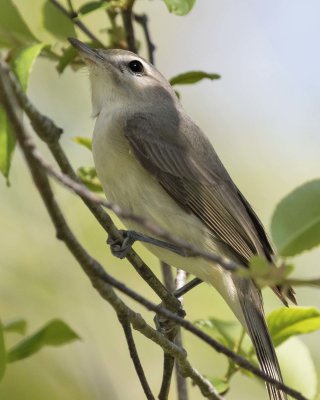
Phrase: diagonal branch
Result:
[135,357]
[182,388]
[170,333]
[74,18]
[173,334]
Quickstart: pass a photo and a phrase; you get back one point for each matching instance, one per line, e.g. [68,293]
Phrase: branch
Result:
[126,13]
[73,16]
[175,336]
[170,333]
[135,357]
[187,287]
[182,388]
[143,21]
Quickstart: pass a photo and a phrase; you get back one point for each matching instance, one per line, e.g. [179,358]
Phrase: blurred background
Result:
[263,119]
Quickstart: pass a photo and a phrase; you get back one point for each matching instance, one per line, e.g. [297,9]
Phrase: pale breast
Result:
[128,184]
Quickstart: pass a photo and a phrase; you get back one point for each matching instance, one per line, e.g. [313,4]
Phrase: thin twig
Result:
[73,12]
[187,287]
[168,360]
[135,357]
[168,365]
[182,388]
[126,14]
[74,18]
[143,21]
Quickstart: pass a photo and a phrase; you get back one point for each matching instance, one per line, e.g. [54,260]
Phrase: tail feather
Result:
[252,307]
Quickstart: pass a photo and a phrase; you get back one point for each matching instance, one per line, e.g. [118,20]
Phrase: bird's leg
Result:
[187,287]
[121,247]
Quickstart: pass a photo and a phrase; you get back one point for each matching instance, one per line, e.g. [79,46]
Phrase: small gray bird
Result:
[154,161]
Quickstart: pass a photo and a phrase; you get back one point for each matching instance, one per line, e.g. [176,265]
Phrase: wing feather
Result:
[188,168]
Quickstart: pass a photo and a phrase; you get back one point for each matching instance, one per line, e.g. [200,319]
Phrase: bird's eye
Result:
[136,67]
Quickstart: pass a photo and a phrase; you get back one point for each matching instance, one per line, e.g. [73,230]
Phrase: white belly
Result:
[128,184]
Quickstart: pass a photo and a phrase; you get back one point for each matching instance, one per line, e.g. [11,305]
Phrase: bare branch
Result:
[135,357]
[126,14]
[168,365]
[168,360]
[143,21]
[182,388]
[187,287]
[74,18]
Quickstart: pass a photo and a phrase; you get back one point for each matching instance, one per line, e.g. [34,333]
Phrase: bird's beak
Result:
[87,53]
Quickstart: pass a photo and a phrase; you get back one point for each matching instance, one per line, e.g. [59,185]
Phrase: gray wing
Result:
[188,168]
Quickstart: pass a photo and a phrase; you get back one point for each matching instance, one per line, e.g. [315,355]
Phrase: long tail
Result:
[252,307]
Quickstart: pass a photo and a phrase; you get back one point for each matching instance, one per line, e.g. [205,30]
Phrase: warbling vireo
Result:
[154,161]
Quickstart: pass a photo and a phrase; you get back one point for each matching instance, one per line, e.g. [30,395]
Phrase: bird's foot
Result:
[120,247]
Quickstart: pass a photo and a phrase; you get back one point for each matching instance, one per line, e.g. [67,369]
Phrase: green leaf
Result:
[23,62]
[58,24]
[22,65]
[83,141]
[188,78]
[16,325]
[180,7]
[295,225]
[13,29]
[92,6]
[54,333]
[7,144]
[3,356]
[88,176]
[286,322]
[221,385]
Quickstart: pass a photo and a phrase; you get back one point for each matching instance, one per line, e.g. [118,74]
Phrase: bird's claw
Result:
[120,247]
